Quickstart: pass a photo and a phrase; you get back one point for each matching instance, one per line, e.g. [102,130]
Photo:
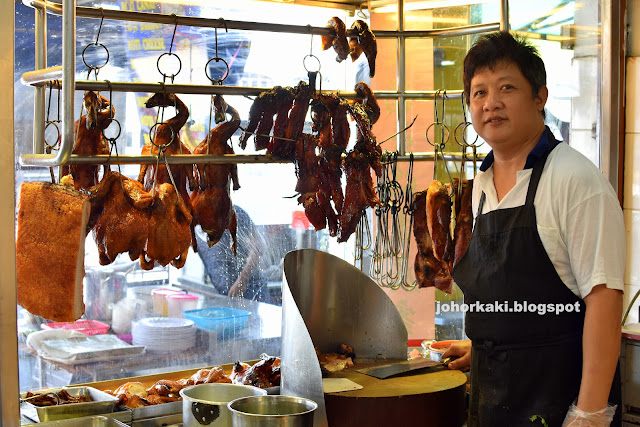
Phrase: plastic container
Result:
[218,319]
[181,302]
[89,327]
[437,349]
[160,304]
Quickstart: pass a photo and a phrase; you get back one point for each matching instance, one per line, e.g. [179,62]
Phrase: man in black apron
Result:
[525,363]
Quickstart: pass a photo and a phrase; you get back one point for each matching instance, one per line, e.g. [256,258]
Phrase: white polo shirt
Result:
[578,215]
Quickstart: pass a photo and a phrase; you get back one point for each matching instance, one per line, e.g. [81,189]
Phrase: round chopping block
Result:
[434,399]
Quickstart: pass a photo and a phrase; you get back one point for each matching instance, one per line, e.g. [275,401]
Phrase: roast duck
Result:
[441,241]
[89,140]
[211,198]
[170,226]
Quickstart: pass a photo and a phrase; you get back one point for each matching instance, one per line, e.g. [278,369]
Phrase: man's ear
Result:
[541,98]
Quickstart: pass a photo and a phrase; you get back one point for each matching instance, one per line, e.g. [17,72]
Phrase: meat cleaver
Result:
[399,369]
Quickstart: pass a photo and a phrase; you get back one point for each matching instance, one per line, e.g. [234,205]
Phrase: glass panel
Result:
[270,220]
[419,66]
[384,15]
[388,124]
[386,77]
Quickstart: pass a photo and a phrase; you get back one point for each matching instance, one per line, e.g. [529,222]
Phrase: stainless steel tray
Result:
[155,411]
[101,403]
[93,421]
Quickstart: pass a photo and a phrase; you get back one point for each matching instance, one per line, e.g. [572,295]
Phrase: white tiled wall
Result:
[631,204]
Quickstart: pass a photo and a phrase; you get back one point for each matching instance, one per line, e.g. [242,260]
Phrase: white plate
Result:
[164,323]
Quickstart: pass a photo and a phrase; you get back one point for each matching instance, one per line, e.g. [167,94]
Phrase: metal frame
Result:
[9,382]
[612,66]
[40,76]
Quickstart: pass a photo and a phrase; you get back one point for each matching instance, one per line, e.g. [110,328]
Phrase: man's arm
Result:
[240,285]
[600,345]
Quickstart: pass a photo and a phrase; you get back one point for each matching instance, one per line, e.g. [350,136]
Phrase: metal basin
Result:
[206,404]
[272,411]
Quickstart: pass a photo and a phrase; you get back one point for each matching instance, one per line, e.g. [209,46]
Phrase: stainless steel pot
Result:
[272,411]
[206,404]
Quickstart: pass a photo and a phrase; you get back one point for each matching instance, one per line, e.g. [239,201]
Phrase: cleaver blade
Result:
[398,369]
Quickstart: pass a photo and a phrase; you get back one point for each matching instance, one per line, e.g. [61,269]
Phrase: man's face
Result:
[502,107]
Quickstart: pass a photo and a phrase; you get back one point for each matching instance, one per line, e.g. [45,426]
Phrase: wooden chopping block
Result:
[433,399]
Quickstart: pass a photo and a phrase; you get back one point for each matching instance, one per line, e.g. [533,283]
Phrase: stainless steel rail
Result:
[182,159]
[44,77]
[192,21]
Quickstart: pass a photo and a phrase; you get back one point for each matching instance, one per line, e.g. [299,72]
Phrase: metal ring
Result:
[224,76]
[152,137]
[119,129]
[464,139]
[171,76]
[95,67]
[446,128]
[304,63]
[47,145]
[455,135]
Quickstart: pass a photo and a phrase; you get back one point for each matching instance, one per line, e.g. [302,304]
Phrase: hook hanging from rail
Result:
[95,68]
[218,59]
[166,76]
[312,72]
[49,147]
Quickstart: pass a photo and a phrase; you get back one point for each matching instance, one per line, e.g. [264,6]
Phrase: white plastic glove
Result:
[579,418]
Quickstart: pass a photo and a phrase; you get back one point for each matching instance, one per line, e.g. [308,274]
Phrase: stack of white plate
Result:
[164,334]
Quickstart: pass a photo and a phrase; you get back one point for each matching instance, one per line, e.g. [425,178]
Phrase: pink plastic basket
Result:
[89,327]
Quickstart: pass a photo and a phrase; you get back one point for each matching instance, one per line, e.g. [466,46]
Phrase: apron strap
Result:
[538,167]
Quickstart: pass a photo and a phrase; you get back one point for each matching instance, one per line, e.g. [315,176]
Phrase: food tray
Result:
[89,327]
[93,421]
[155,411]
[102,403]
[219,319]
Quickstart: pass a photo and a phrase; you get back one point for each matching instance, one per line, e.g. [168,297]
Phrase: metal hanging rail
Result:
[182,159]
[66,72]
[192,21]
[34,79]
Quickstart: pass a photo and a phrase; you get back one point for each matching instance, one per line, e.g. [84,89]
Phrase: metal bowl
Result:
[272,411]
[206,404]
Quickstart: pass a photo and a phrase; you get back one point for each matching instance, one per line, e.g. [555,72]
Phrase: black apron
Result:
[522,364]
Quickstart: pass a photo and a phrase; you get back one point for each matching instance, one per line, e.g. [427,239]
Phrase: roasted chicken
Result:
[169,233]
[262,374]
[211,200]
[334,362]
[213,375]
[123,220]
[338,41]
[89,139]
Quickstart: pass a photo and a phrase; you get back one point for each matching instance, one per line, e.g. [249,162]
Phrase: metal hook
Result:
[100,27]
[361,13]
[175,17]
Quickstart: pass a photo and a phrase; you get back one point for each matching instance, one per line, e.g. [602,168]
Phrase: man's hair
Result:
[500,46]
